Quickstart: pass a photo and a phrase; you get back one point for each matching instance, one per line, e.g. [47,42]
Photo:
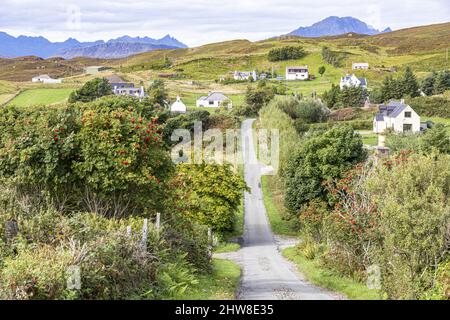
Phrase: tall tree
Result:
[410,84]
[158,93]
[442,82]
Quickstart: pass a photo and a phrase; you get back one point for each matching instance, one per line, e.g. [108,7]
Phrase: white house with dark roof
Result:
[215,100]
[353,81]
[397,116]
[178,106]
[121,87]
[297,73]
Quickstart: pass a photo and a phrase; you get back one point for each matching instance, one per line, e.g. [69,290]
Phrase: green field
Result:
[41,97]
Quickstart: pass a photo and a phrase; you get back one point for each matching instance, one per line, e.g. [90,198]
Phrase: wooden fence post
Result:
[11,229]
[144,235]
[158,222]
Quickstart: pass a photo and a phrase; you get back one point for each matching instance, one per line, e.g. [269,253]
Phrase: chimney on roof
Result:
[402,101]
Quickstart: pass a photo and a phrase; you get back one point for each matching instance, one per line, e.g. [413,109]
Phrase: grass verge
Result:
[315,273]
[220,285]
[273,201]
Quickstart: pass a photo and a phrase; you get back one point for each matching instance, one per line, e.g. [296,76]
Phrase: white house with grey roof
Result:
[353,81]
[397,116]
[215,100]
[245,75]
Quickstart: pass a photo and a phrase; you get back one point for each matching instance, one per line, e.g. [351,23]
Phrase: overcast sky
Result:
[196,22]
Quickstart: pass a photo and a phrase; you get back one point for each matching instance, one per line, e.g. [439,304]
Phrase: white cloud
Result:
[202,21]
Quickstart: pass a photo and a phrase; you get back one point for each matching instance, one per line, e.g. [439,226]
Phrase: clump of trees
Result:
[91,91]
[402,87]
[436,83]
[286,53]
[256,98]
[349,97]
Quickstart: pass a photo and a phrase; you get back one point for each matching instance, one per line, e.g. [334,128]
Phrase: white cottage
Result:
[397,116]
[353,81]
[178,106]
[215,100]
[45,78]
[297,73]
[245,76]
[360,66]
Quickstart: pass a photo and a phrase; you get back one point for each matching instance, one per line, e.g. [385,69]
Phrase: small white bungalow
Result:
[397,116]
[297,73]
[178,106]
[360,66]
[353,81]
[45,78]
[215,100]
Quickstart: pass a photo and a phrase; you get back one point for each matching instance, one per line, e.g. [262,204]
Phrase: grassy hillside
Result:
[25,68]
[422,48]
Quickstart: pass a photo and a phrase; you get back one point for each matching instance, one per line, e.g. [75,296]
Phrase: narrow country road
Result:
[266,274]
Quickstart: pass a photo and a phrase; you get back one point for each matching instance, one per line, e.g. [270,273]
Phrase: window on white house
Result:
[408,114]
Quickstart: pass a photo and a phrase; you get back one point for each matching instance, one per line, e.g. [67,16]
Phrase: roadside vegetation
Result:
[354,214]
[78,182]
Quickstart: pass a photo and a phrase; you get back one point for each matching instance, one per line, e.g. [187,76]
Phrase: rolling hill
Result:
[422,48]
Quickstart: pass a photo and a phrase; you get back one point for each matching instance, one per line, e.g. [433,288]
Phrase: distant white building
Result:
[245,76]
[297,73]
[397,116]
[45,78]
[215,100]
[178,106]
[353,81]
[360,66]
[94,69]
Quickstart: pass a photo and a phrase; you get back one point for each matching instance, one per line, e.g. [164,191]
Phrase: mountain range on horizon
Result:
[333,26]
[12,47]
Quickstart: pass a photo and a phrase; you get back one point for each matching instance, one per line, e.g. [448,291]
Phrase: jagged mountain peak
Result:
[335,25]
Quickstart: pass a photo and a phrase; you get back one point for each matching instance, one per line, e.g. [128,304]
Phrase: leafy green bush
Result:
[256,98]
[215,194]
[95,155]
[308,111]
[91,91]
[322,157]
[272,117]
[412,196]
